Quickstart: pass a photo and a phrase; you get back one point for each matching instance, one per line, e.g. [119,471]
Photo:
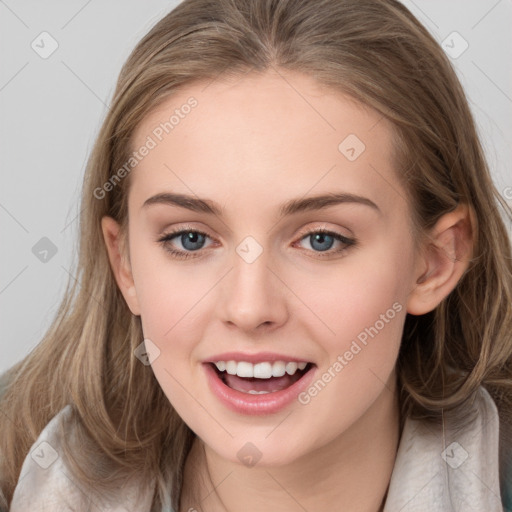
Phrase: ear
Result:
[444,260]
[119,261]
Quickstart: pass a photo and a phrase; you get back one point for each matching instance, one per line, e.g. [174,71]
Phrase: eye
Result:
[191,240]
[322,241]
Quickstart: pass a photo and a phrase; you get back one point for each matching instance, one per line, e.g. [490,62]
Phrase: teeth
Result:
[264,370]
[231,367]
[244,369]
[278,369]
[221,365]
[291,368]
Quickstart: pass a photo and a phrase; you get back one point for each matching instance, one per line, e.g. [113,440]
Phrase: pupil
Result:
[321,238]
[192,238]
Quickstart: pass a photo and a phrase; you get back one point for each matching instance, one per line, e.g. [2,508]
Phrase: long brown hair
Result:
[373,50]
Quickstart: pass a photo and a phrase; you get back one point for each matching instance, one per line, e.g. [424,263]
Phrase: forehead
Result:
[264,136]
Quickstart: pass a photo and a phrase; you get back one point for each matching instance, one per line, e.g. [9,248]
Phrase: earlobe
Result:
[119,263]
[445,259]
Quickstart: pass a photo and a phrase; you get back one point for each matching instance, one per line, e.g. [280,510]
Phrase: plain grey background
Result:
[51,108]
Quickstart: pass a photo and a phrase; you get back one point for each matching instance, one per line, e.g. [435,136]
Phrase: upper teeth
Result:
[264,370]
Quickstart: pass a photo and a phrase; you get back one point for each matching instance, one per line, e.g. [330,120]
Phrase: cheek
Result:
[361,305]
[354,294]
[364,309]
[168,291]
[172,298]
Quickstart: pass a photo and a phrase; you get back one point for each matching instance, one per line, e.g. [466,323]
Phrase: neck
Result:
[351,473]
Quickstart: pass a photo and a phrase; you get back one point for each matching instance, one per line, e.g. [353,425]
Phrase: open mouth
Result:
[266,381]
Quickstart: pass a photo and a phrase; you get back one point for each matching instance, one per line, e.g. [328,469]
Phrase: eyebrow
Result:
[291,207]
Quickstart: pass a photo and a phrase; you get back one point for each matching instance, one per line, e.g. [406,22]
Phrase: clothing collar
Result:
[440,468]
[437,469]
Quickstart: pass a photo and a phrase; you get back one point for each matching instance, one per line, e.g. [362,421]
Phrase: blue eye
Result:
[192,241]
[322,241]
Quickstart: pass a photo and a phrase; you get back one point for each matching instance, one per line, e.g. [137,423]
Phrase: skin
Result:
[251,144]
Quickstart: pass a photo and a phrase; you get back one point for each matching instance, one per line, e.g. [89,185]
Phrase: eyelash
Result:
[349,242]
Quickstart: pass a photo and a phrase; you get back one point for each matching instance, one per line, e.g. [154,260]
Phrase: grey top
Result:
[436,469]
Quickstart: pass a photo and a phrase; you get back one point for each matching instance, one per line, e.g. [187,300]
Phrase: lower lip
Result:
[245,403]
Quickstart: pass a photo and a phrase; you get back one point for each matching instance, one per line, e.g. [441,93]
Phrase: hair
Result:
[376,52]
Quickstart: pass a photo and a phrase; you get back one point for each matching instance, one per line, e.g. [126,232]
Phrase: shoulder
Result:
[42,482]
[445,466]
[45,482]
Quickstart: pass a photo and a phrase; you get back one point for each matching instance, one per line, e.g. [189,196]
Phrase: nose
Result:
[254,297]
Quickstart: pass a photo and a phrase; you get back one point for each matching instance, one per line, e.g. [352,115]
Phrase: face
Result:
[286,243]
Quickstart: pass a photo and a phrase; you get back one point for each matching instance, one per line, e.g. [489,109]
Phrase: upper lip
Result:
[254,358]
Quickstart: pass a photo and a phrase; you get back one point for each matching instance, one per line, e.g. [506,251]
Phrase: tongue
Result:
[246,384]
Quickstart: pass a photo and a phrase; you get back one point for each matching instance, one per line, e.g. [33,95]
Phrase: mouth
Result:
[260,378]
